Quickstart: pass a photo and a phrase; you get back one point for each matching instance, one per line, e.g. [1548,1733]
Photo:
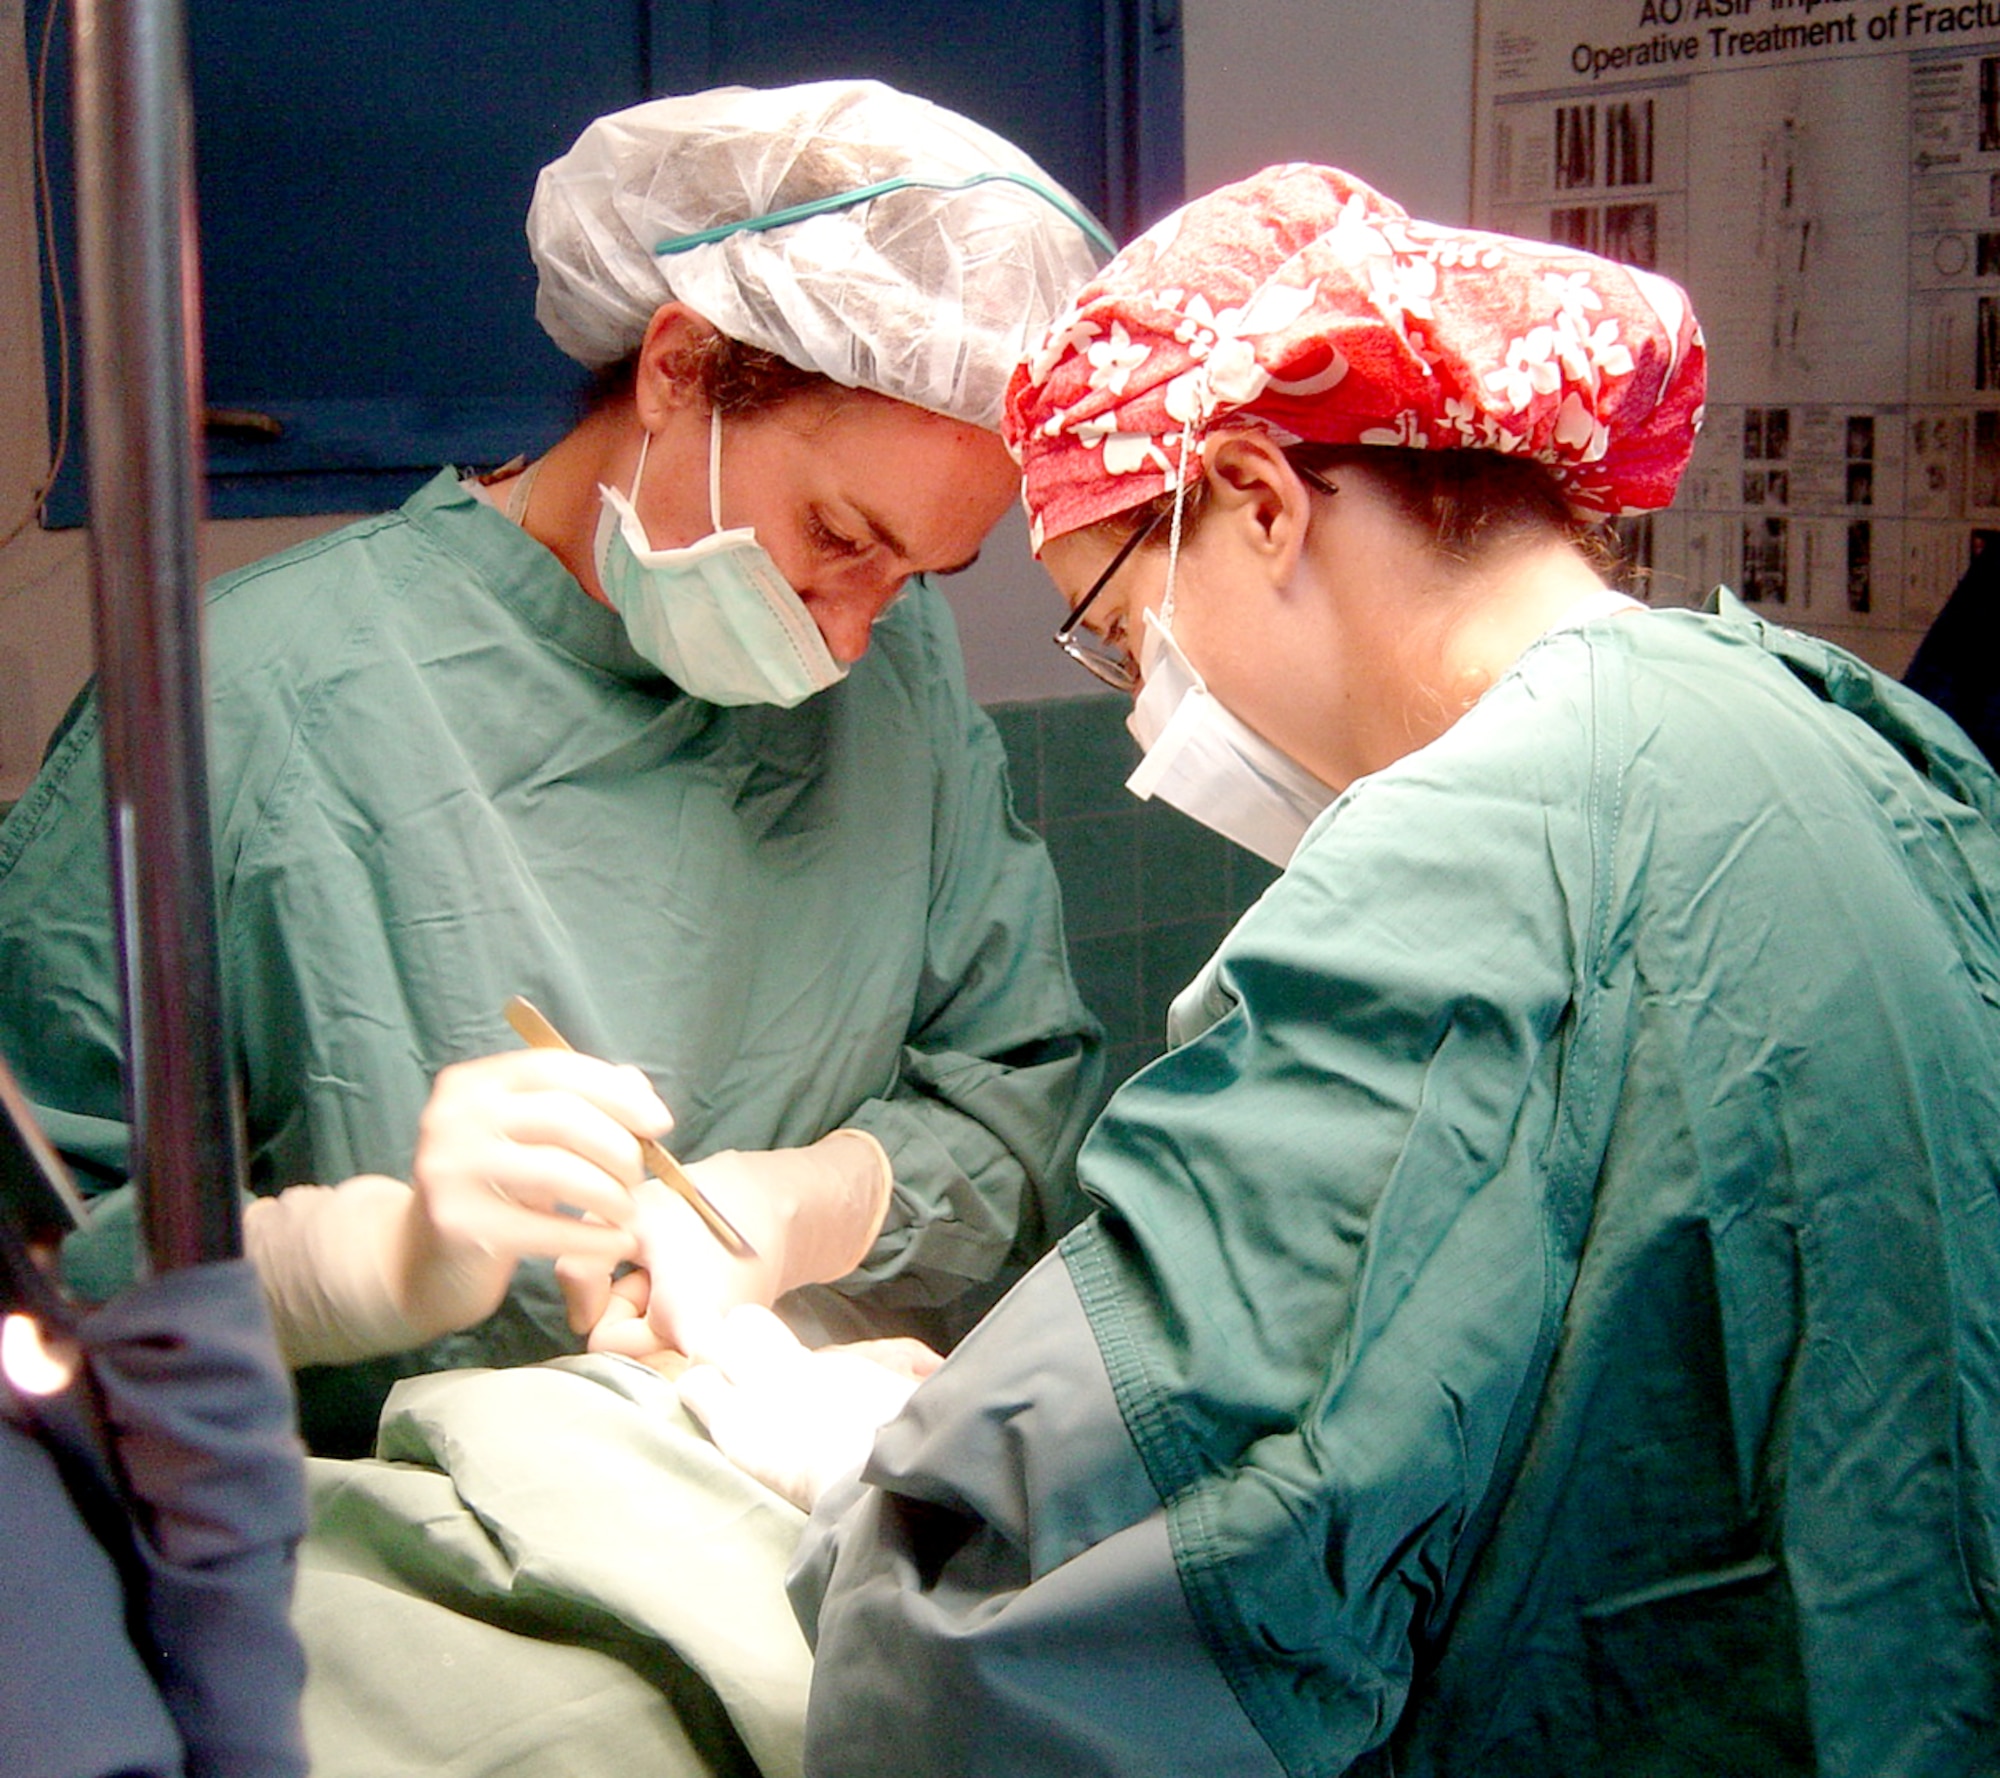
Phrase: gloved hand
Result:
[795,1418]
[505,1143]
[811,1213]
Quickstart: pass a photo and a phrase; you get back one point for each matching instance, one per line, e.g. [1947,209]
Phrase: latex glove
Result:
[506,1145]
[811,1213]
[796,1418]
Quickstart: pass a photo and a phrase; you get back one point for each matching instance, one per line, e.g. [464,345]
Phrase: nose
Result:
[845,619]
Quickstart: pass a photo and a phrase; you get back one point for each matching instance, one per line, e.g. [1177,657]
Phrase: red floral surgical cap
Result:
[1303,300]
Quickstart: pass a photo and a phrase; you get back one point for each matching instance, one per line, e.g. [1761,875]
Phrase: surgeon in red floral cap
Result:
[1542,1313]
[1307,303]
[1482,387]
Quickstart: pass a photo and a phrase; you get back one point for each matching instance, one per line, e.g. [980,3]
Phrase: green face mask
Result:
[715,616]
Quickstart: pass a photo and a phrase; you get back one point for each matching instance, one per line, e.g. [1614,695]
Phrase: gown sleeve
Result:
[1005,1592]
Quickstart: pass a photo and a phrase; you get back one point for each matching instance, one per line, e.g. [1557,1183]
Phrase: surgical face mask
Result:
[716,616]
[1202,760]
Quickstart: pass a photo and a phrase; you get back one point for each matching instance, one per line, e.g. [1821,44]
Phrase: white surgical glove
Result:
[797,1419]
[811,1213]
[507,1145]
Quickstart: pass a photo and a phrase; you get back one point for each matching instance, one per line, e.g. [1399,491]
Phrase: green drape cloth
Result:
[548,1573]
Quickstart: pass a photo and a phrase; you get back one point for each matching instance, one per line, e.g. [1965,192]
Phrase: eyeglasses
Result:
[1112,662]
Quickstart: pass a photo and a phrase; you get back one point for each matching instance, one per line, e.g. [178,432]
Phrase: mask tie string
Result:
[1174,529]
[715,468]
[639,470]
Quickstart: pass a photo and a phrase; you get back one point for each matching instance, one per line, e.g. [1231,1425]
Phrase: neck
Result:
[563,514]
[1456,636]
[1515,601]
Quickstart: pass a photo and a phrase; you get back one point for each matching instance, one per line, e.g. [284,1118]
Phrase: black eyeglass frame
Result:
[1120,671]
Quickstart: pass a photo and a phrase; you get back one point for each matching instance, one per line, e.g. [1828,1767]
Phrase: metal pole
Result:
[142,376]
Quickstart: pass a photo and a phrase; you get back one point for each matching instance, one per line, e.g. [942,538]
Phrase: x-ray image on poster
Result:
[1824,177]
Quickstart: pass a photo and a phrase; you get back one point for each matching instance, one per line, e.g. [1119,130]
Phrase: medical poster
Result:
[1824,176]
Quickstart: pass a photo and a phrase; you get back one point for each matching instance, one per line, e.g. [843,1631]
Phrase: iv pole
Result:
[138,256]
[159,1457]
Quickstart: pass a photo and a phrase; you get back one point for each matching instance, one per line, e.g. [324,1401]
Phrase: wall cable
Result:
[38,104]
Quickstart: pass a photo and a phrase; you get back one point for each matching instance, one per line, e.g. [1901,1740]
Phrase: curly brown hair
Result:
[732,377]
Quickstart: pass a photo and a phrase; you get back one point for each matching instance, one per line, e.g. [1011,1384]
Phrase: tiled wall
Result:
[1146,892]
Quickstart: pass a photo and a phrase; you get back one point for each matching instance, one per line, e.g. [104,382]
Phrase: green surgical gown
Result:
[1542,1318]
[441,776]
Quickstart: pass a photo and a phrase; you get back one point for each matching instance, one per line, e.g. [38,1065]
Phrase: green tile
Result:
[1170,956]
[1249,877]
[1020,727]
[1107,976]
[1086,756]
[1097,860]
[1183,867]
[1123,1060]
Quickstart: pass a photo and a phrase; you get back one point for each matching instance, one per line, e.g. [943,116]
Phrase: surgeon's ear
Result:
[1252,487]
[669,371]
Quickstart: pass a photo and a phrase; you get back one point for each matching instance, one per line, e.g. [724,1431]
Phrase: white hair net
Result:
[923,294]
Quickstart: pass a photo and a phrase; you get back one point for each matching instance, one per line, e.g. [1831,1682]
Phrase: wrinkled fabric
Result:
[1551,1293]
[1005,1592]
[441,776]
[1306,302]
[548,1572]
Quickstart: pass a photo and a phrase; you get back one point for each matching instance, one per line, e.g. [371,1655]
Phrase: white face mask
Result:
[1202,760]
[715,616]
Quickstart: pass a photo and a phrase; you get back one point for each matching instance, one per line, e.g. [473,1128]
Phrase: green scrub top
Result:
[441,776]
[1544,1315]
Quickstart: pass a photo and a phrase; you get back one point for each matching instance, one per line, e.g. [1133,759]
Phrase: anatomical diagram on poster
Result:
[1824,177]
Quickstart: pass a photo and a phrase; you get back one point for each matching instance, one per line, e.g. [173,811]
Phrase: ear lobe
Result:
[666,379]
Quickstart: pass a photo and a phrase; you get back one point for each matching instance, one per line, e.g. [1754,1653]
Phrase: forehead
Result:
[938,485]
[1076,560]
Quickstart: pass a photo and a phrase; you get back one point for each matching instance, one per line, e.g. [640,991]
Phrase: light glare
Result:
[30,1365]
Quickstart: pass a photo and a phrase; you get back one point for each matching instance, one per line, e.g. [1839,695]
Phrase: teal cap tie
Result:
[847,200]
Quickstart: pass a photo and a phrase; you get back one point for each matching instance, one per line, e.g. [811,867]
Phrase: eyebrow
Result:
[894,544]
[883,535]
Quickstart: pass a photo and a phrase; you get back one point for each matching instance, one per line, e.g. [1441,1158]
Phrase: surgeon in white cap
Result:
[666,730]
